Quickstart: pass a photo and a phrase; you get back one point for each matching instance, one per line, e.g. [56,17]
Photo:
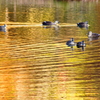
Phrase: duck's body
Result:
[3,28]
[70,42]
[93,35]
[83,24]
[50,23]
[81,44]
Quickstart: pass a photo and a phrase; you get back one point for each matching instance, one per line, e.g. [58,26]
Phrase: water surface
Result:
[36,63]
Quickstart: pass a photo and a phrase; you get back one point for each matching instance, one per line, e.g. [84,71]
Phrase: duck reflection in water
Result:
[83,25]
[71,43]
[81,45]
[54,27]
[3,28]
[93,38]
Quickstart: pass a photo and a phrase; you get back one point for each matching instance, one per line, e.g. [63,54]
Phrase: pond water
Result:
[36,63]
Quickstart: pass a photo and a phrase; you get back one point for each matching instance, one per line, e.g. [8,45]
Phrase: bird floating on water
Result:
[3,28]
[93,35]
[83,24]
[70,42]
[50,23]
[81,44]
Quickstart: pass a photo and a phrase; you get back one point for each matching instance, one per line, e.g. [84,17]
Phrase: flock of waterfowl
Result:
[71,42]
[81,44]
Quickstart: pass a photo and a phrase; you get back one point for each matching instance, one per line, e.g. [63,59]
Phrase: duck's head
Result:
[83,43]
[56,22]
[72,39]
[5,25]
[90,33]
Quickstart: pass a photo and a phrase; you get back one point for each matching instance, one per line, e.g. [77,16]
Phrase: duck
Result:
[70,42]
[81,44]
[50,23]
[83,24]
[93,35]
[3,28]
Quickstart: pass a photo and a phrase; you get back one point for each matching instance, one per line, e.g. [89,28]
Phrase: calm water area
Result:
[36,63]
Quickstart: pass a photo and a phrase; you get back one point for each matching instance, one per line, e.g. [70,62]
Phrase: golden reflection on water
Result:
[36,63]
[48,70]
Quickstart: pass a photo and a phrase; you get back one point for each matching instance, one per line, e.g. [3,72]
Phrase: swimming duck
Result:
[83,24]
[70,42]
[3,28]
[50,23]
[81,44]
[93,35]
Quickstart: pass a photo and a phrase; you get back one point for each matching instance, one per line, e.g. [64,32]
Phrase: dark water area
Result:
[36,63]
